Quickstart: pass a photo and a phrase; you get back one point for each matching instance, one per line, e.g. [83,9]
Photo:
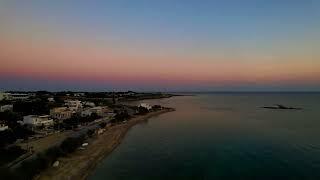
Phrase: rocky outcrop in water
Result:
[279,106]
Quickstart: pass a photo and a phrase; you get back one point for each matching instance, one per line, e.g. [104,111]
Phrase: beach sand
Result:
[81,163]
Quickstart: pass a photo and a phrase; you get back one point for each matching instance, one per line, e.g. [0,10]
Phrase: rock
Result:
[279,106]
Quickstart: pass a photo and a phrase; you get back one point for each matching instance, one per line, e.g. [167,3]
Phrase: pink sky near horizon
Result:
[74,61]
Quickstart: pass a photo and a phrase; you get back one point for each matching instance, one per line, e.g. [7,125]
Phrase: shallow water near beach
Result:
[222,136]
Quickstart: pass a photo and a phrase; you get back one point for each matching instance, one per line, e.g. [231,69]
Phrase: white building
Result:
[51,99]
[3,127]
[61,113]
[74,105]
[18,96]
[35,120]
[145,105]
[87,103]
[7,107]
[4,96]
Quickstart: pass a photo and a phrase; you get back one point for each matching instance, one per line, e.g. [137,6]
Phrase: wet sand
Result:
[81,163]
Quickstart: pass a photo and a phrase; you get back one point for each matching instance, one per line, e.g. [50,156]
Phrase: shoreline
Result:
[148,98]
[81,164]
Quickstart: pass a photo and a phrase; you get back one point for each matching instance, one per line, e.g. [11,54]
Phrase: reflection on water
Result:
[222,136]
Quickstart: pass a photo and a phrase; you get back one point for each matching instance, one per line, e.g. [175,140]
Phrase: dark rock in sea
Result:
[279,106]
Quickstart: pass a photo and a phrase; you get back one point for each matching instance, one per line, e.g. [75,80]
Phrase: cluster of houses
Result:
[59,114]
[71,107]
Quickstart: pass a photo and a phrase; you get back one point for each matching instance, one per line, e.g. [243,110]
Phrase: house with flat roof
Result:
[8,107]
[73,105]
[61,113]
[4,96]
[18,96]
[36,120]
[99,110]
[3,126]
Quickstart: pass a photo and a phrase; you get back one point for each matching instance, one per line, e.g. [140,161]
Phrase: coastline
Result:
[80,164]
[149,97]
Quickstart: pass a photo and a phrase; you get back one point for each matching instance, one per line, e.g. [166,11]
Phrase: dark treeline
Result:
[9,154]
[76,120]
[41,161]
[120,116]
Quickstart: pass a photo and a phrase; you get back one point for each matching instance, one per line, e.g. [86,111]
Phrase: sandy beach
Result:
[81,163]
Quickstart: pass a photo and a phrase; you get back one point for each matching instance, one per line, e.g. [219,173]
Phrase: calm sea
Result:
[222,136]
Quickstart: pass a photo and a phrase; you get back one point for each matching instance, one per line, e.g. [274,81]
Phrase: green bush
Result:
[142,110]
[103,125]
[90,132]
[70,144]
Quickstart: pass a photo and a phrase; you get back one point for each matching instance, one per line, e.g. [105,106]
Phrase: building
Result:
[32,94]
[18,96]
[36,121]
[13,96]
[99,110]
[4,96]
[51,99]
[130,93]
[8,107]
[61,113]
[79,94]
[86,112]
[3,127]
[87,103]
[145,105]
[74,105]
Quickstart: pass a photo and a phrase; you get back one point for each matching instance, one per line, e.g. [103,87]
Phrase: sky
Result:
[153,45]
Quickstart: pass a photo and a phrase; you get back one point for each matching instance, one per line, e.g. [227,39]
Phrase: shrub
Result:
[103,125]
[90,132]
[142,110]
[156,107]
[121,116]
[70,144]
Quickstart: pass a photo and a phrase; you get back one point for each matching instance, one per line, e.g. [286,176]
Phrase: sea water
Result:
[222,136]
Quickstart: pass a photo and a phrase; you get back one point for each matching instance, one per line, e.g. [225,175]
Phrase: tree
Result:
[121,116]
[90,132]
[37,107]
[70,144]
[102,125]
[142,110]
[10,118]
[156,107]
